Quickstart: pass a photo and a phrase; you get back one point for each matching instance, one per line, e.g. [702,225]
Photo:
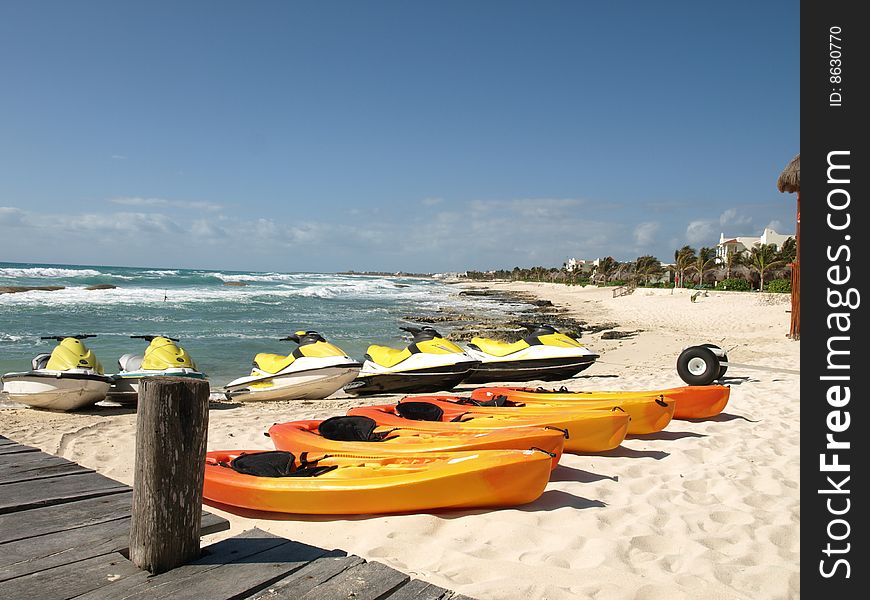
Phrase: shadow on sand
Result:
[665,435]
[564,473]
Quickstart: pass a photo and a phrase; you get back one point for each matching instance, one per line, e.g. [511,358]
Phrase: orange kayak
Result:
[585,431]
[358,434]
[649,413]
[302,483]
[691,401]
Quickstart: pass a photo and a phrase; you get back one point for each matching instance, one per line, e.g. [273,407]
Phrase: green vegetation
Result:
[734,284]
[762,267]
[778,286]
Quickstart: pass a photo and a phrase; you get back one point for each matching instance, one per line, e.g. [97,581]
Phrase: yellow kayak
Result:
[585,430]
[337,484]
[363,435]
[649,413]
[690,401]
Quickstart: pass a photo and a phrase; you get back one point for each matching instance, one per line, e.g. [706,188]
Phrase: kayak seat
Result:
[272,363]
[276,463]
[419,411]
[386,356]
[351,428]
[497,348]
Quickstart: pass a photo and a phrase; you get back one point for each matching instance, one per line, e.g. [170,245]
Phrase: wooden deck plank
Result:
[44,552]
[229,569]
[68,581]
[417,589]
[368,581]
[311,575]
[17,449]
[57,490]
[41,469]
[8,460]
[62,517]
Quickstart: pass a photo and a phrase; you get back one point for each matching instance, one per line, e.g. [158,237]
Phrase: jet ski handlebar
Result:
[149,338]
[300,337]
[421,333]
[539,328]
[60,338]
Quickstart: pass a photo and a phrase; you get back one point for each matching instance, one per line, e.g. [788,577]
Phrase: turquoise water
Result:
[222,326]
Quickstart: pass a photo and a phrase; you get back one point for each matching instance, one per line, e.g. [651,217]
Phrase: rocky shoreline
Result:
[463,326]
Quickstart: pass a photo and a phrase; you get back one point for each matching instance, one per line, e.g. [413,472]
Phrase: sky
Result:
[391,136]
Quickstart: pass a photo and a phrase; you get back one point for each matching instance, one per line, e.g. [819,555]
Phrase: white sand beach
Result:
[702,509]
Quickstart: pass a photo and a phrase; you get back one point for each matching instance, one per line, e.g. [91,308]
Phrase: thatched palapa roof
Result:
[790,178]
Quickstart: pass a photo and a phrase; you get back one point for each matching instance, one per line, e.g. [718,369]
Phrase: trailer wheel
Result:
[698,365]
[721,359]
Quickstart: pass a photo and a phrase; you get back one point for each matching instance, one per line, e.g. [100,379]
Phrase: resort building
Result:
[581,266]
[745,243]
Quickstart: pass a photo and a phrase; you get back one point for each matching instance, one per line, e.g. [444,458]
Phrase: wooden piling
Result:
[171,431]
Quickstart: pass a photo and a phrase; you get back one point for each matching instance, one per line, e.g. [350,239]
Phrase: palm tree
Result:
[683,259]
[762,259]
[788,251]
[703,262]
[647,266]
[606,268]
[732,259]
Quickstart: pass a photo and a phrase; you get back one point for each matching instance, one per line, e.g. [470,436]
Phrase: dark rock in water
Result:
[11,289]
[401,285]
[476,293]
[235,283]
[102,286]
[542,303]
[618,335]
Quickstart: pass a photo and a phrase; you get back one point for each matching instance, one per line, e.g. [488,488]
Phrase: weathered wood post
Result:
[171,428]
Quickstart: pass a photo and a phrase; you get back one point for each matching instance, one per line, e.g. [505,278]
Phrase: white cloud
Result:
[431,201]
[11,216]
[119,157]
[702,233]
[645,233]
[732,218]
[162,202]
[780,227]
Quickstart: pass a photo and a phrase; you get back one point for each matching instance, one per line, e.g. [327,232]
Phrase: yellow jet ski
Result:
[314,370]
[69,378]
[543,354]
[162,357]
[430,363]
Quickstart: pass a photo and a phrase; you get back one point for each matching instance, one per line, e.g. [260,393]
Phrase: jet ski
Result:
[69,378]
[162,357]
[430,363]
[542,354]
[314,370]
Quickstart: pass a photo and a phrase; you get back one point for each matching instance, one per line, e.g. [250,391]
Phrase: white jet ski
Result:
[313,371]
[430,363]
[162,357]
[69,378]
[542,354]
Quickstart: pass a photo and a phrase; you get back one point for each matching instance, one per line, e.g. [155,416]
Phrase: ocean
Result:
[222,318]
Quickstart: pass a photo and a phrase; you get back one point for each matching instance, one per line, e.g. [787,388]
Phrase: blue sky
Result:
[417,136]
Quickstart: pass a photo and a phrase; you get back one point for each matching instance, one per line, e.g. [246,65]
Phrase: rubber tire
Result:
[723,358]
[692,355]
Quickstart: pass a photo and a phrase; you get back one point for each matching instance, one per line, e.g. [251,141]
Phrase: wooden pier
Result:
[65,532]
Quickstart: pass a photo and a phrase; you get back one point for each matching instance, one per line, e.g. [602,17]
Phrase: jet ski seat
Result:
[497,348]
[40,360]
[273,363]
[386,356]
[130,362]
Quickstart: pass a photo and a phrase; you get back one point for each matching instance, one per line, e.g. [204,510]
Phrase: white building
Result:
[582,266]
[746,243]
